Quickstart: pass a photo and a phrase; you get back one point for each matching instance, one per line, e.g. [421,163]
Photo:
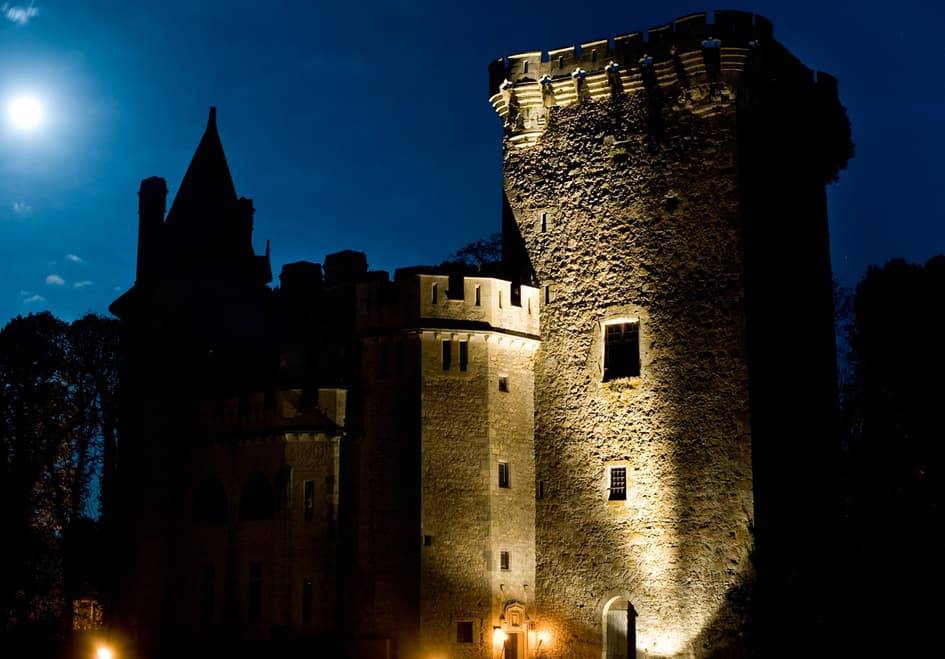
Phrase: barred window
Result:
[618,484]
[621,350]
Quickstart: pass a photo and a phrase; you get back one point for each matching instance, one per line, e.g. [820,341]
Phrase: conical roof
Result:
[207,194]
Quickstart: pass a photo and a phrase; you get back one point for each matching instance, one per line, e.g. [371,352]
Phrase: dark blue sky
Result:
[366,125]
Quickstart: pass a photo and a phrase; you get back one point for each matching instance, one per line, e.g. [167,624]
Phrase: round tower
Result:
[658,188]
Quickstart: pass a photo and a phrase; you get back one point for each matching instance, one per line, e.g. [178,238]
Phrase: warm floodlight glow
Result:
[499,636]
[25,112]
[103,652]
[544,637]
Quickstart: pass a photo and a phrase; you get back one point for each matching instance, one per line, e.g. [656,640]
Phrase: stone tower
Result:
[665,193]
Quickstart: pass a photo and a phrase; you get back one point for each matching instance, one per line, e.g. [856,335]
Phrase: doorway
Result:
[514,646]
[619,627]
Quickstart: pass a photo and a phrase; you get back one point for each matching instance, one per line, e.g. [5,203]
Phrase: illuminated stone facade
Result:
[573,454]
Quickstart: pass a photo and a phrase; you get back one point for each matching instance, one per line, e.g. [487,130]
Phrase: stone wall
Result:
[643,222]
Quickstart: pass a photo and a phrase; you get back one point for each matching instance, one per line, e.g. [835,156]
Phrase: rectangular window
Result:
[428,541]
[478,296]
[504,383]
[434,296]
[464,632]
[383,359]
[463,355]
[308,504]
[504,475]
[307,602]
[544,222]
[618,484]
[500,299]
[621,350]
[504,561]
[255,593]
[540,490]
[207,579]
[547,293]
[447,355]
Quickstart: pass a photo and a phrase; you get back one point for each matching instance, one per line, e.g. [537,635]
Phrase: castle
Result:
[572,455]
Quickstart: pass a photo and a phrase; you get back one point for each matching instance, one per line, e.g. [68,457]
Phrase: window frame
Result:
[606,326]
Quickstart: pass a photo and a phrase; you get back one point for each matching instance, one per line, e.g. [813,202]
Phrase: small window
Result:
[500,299]
[540,490]
[560,61]
[504,383]
[547,293]
[255,593]
[383,359]
[544,222]
[428,541]
[504,475]
[529,302]
[447,355]
[309,500]
[464,632]
[307,602]
[524,70]
[463,355]
[435,294]
[504,561]
[621,350]
[618,484]
[478,296]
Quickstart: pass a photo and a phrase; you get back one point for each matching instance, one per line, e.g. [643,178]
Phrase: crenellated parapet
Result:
[706,59]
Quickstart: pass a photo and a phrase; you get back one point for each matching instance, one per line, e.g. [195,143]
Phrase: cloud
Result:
[19,14]
[55,280]
[34,299]
[21,208]
[82,284]
[74,258]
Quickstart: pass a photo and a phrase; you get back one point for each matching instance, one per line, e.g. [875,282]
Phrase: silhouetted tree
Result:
[481,253]
[895,444]
[58,390]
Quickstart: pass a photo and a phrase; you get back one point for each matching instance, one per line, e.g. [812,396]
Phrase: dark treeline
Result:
[58,443]
[892,403]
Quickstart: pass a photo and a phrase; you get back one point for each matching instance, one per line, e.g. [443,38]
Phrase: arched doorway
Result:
[620,630]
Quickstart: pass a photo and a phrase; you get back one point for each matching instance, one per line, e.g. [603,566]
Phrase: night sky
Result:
[367,126]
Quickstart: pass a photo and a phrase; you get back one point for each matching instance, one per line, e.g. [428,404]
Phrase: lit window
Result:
[618,484]
[447,355]
[86,614]
[621,350]
[464,632]
[504,383]
[504,562]
[463,355]
[504,475]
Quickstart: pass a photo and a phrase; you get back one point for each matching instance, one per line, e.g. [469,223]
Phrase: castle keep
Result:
[609,445]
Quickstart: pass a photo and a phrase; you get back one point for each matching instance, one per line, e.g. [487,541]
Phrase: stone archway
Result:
[619,629]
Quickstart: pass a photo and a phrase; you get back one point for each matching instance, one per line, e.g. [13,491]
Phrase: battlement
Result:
[432,299]
[685,53]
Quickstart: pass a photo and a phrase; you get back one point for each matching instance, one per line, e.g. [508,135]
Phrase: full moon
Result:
[25,112]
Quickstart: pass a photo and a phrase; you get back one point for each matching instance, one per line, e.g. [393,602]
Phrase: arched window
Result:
[620,629]
[257,500]
[210,505]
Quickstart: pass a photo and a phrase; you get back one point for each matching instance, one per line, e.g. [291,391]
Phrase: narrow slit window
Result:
[540,490]
[525,66]
[505,476]
[463,355]
[621,350]
[447,355]
[504,383]
[544,222]
[500,299]
[547,293]
[618,484]
[478,296]
[435,293]
[504,561]
[309,500]
[307,593]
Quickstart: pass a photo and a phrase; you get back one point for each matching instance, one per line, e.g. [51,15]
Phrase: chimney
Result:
[152,200]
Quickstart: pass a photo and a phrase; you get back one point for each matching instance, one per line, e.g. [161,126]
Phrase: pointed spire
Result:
[206,196]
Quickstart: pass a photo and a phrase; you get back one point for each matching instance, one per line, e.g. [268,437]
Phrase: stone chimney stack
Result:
[152,201]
